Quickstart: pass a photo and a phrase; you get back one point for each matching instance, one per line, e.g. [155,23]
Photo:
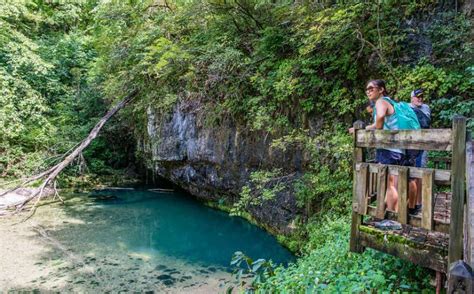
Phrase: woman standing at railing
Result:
[385,118]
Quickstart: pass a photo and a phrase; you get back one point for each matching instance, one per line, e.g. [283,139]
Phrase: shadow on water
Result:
[121,239]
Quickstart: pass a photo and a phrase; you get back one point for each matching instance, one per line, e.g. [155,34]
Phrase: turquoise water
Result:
[148,241]
[178,226]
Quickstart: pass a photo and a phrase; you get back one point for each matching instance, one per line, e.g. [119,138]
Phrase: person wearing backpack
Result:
[385,118]
[391,115]
[423,113]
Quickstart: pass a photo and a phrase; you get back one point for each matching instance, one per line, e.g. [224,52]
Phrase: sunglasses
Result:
[370,89]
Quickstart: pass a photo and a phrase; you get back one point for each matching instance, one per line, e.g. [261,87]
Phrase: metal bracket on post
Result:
[460,278]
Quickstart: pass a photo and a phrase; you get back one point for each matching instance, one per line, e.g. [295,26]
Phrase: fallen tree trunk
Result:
[50,175]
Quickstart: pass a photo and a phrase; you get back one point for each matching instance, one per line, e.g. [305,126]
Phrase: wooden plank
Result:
[381,190]
[426,139]
[357,156]
[374,184]
[371,184]
[403,195]
[361,190]
[469,250]
[426,257]
[441,176]
[413,220]
[427,200]
[457,186]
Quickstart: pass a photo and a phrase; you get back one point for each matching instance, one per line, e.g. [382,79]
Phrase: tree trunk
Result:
[51,174]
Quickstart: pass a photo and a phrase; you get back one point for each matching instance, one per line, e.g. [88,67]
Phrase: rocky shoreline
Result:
[17,197]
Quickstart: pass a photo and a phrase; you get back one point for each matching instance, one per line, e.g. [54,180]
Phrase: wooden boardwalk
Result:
[443,233]
[433,244]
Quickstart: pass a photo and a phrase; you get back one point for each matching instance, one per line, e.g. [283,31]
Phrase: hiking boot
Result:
[416,210]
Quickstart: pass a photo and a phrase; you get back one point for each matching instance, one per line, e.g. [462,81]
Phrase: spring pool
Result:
[138,240]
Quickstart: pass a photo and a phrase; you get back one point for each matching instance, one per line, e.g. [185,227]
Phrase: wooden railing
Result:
[370,180]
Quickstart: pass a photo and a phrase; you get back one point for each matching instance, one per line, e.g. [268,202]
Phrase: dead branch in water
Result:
[50,175]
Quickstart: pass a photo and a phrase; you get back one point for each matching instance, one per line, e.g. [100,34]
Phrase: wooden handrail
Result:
[441,176]
[426,139]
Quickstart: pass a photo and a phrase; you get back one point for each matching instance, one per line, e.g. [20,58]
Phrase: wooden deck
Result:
[420,246]
[434,238]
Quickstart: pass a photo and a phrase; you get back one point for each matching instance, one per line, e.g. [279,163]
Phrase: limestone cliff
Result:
[213,163]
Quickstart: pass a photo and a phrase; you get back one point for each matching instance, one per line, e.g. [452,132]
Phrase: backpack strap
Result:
[389,100]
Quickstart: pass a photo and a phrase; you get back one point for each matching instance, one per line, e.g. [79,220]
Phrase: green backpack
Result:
[406,117]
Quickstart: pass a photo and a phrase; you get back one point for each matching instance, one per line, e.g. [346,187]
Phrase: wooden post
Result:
[381,191]
[403,195]
[357,156]
[469,211]
[361,188]
[427,183]
[457,185]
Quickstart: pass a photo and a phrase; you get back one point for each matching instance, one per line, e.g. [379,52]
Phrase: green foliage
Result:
[24,127]
[48,101]
[448,107]
[263,186]
[449,33]
[329,267]
[268,66]
[327,183]
[259,270]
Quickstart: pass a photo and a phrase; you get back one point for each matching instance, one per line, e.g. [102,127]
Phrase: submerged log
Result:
[161,190]
[105,198]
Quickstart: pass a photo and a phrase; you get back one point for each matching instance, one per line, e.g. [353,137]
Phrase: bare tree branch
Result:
[50,175]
